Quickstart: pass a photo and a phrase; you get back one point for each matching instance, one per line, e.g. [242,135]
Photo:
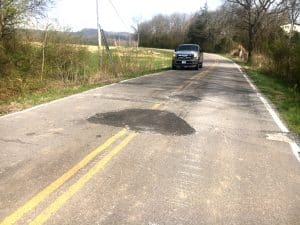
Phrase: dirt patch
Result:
[157,121]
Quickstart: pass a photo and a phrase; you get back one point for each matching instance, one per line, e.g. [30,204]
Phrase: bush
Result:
[21,64]
[5,64]
[66,62]
[285,57]
[295,67]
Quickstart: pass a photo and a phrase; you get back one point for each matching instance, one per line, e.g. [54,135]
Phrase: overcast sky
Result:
[79,14]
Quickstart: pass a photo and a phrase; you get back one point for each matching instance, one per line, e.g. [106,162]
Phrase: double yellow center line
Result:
[198,76]
[42,195]
[52,208]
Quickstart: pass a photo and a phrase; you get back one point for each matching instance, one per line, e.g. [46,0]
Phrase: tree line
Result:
[253,26]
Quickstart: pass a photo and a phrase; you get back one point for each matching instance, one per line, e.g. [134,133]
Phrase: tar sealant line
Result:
[71,96]
[295,148]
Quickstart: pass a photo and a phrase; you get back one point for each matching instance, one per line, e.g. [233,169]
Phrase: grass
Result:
[17,94]
[26,100]
[285,96]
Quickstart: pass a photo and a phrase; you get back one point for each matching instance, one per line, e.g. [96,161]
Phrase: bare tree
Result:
[16,12]
[164,31]
[137,21]
[293,12]
[252,14]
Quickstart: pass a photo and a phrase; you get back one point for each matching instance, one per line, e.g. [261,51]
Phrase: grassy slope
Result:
[283,96]
[138,63]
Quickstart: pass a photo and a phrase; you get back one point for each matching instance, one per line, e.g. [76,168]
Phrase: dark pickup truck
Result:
[187,56]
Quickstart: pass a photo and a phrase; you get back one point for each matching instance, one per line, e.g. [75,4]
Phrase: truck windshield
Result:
[188,48]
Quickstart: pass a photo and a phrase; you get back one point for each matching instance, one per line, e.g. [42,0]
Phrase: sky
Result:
[79,14]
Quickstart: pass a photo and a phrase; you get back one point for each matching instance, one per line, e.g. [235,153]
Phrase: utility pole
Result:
[99,34]
[138,36]
[43,49]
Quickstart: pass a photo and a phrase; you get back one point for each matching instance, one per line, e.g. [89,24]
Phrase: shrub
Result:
[285,57]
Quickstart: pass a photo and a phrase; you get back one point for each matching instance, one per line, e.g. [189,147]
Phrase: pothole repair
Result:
[150,120]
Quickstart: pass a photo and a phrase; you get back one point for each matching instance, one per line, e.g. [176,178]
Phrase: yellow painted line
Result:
[181,88]
[199,76]
[35,200]
[187,86]
[156,105]
[189,83]
[63,198]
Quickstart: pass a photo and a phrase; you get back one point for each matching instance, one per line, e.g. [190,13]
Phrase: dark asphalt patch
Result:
[186,98]
[157,121]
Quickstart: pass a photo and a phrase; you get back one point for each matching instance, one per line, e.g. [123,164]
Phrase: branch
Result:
[240,2]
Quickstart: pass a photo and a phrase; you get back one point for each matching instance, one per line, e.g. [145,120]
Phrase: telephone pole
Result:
[138,36]
[99,34]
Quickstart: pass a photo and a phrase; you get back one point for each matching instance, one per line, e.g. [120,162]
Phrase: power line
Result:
[118,14]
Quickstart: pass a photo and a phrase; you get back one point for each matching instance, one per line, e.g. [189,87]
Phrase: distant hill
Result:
[86,36]
[90,36]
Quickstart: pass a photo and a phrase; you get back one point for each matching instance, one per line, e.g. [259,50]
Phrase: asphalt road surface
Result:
[179,147]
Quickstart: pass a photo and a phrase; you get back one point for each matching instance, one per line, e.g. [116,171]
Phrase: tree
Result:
[164,31]
[252,14]
[207,29]
[16,12]
[197,31]
[293,12]
[137,21]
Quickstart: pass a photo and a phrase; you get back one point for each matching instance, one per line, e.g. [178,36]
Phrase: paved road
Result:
[176,147]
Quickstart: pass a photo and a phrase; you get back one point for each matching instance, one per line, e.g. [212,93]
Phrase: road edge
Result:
[74,95]
[271,109]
